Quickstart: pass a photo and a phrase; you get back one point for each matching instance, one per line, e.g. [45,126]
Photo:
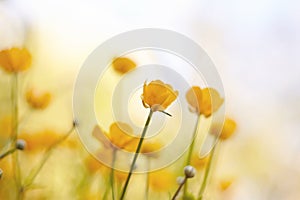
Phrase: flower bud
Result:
[20,144]
[1,173]
[180,180]
[189,171]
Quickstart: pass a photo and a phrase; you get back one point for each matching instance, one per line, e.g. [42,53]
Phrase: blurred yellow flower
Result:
[225,183]
[120,176]
[37,99]
[5,130]
[123,65]
[162,180]
[120,136]
[149,147]
[93,165]
[199,163]
[38,141]
[227,131]
[158,95]
[203,101]
[15,60]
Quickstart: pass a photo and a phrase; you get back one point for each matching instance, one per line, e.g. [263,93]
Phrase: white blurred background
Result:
[254,44]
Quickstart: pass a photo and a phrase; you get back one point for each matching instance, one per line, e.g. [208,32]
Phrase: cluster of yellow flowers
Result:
[157,96]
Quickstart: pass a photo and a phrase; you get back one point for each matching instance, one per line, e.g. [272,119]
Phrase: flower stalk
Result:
[136,154]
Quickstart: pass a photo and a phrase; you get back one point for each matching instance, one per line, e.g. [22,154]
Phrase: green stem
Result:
[207,171]
[112,174]
[179,188]
[31,177]
[148,180]
[7,153]
[136,154]
[191,149]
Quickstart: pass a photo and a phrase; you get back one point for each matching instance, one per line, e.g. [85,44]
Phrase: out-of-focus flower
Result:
[15,60]
[123,65]
[203,101]
[225,183]
[189,171]
[150,147]
[162,180]
[93,165]
[37,99]
[199,163]
[228,129]
[40,140]
[158,95]
[119,137]
[120,176]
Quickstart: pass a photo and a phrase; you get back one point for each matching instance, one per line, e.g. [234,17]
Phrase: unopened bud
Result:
[180,180]
[189,171]
[20,144]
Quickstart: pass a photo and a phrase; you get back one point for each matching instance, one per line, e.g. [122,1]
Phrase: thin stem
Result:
[206,173]
[136,154]
[179,188]
[191,149]
[112,174]
[7,153]
[31,177]
[147,179]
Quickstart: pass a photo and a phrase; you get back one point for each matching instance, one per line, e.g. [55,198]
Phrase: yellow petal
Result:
[228,129]
[15,60]
[123,65]
[37,99]
[194,98]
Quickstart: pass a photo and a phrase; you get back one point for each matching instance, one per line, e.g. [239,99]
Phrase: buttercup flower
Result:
[37,99]
[158,95]
[123,65]
[228,129]
[162,180]
[203,101]
[149,147]
[199,163]
[118,135]
[15,60]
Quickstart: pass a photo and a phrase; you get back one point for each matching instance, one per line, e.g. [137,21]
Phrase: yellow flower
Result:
[228,129]
[158,95]
[5,130]
[162,180]
[119,136]
[37,99]
[93,165]
[40,140]
[150,147]
[15,60]
[122,64]
[225,183]
[199,163]
[203,101]
[121,176]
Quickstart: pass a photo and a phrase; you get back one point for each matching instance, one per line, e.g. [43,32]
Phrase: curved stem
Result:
[136,154]
[206,175]
[179,188]
[191,149]
[31,177]
[112,174]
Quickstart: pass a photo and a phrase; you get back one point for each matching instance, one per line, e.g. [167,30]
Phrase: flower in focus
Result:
[118,136]
[227,131]
[203,101]
[37,99]
[162,180]
[15,60]
[123,65]
[199,163]
[158,95]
